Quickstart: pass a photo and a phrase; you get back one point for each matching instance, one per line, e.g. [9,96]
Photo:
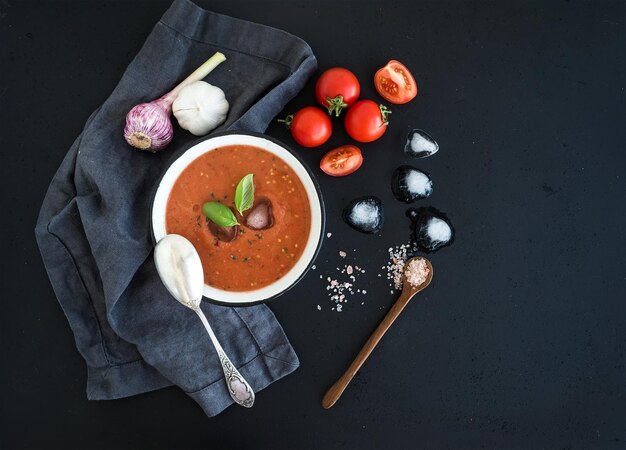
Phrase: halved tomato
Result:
[395,83]
[342,161]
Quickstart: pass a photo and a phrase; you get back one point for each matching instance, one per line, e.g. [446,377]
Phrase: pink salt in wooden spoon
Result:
[418,274]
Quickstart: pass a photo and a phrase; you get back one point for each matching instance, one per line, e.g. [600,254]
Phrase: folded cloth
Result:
[94,231]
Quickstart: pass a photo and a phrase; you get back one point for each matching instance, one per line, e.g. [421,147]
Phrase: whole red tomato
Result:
[310,127]
[336,89]
[366,121]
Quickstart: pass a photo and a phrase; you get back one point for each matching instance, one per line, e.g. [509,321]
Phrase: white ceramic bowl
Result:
[315,202]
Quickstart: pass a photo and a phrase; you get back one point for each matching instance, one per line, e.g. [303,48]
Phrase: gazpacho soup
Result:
[271,234]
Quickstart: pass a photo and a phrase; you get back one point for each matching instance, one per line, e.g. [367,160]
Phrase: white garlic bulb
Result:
[200,107]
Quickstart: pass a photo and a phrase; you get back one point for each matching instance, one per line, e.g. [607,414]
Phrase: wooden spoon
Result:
[408,292]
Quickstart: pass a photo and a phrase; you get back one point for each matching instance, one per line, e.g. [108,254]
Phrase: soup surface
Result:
[256,258]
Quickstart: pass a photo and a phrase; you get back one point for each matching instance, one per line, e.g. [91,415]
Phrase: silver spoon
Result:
[180,269]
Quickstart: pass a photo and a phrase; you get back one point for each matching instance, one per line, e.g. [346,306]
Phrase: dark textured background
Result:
[518,343]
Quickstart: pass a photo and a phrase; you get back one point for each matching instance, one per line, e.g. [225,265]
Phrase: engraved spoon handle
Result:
[238,387]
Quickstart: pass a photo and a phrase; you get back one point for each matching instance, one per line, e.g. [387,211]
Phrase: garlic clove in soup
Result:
[200,107]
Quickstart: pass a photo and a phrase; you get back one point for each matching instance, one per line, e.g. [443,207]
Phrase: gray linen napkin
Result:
[94,234]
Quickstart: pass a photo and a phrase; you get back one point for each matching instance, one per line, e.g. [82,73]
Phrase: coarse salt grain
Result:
[342,254]
[338,288]
[395,267]
[416,271]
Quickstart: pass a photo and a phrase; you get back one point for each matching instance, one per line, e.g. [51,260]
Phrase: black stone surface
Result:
[519,341]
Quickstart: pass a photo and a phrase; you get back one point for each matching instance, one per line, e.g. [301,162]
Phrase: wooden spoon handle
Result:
[335,391]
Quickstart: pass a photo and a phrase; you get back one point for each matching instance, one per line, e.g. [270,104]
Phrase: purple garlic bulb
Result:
[148,126]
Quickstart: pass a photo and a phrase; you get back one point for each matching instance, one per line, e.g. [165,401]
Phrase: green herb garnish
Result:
[244,194]
[219,214]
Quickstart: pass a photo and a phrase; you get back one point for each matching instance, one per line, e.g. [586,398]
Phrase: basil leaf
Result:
[244,194]
[219,214]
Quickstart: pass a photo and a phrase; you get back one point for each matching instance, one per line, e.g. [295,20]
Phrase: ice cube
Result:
[409,184]
[432,229]
[260,216]
[419,144]
[224,234]
[365,214]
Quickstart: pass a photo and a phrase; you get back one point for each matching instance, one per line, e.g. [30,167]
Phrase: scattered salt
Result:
[340,286]
[328,235]
[345,281]
[319,308]
[395,267]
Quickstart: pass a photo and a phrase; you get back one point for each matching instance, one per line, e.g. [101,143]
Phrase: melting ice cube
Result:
[260,216]
[432,229]
[409,184]
[419,144]
[365,214]
[224,234]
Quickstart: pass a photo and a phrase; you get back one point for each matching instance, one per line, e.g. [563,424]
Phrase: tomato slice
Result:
[395,83]
[342,161]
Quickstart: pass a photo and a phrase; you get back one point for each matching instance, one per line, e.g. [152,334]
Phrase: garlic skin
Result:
[200,107]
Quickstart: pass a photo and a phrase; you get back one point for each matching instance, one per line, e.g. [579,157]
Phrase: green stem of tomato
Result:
[384,112]
[287,121]
[335,105]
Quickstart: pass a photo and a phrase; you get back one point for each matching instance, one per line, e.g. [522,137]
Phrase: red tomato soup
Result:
[256,258]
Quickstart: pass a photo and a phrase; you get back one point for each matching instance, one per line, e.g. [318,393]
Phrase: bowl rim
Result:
[318,196]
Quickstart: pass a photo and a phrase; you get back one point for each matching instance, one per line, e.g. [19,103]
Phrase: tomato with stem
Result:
[366,121]
[336,89]
[310,126]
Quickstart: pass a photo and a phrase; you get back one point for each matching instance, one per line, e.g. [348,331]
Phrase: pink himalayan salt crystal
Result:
[416,271]
[342,254]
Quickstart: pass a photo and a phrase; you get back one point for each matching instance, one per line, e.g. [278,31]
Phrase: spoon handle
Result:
[238,387]
[335,391]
